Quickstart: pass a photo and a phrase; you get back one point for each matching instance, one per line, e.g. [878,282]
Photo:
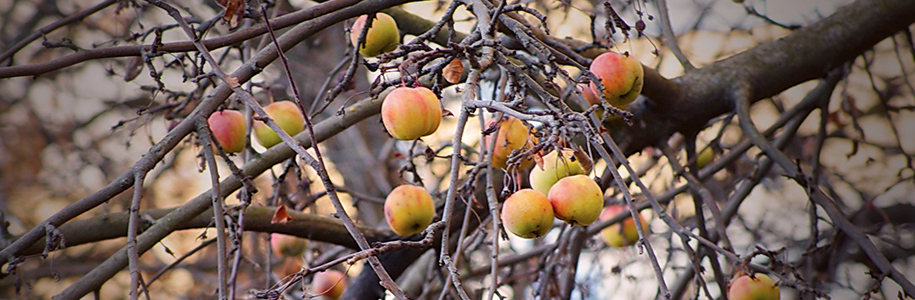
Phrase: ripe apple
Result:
[382,36]
[620,234]
[555,167]
[513,135]
[330,284]
[621,75]
[284,113]
[576,199]
[408,210]
[411,113]
[228,127]
[527,213]
[287,245]
[746,288]
[589,94]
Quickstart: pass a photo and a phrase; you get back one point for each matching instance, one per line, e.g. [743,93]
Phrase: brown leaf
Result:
[235,10]
[584,160]
[133,68]
[280,216]
[538,159]
[452,72]
[232,81]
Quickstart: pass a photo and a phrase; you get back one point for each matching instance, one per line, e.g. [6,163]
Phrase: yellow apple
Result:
[382,37]
[287,115]
[228,127]
[555,167]
[287,245]
[621,75]
[620,234]
[527,214]
[513,135]
[408,209]
[410,113]
[746,288]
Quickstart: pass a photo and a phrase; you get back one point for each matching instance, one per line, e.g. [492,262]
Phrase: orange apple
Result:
[284,113]
[620,234]
[576,199]
[330,284]
[621,75]
[555,167]
[382,37]
[527,214]
[513,135]
[408,209]
[410,113]
[746,288]
[228,127]
[287,245]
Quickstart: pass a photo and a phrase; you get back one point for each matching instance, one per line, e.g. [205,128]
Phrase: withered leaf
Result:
[280,216]
[452,72]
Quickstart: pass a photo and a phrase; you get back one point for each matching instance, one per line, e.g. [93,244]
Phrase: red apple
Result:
[410,113]
[746,288]
[408,209]
[284,113]
[527,214]
[287,245]
[228,127]
[513,135]
[621,75]
[620,234]
[382,37]
[330,284]
[576,199]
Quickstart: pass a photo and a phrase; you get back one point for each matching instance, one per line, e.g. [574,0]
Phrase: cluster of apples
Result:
[560,189]
[229,126]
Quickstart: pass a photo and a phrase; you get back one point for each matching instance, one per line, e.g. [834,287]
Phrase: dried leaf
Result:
[232,81]
[280,216]
[452,72]
[538,159]
[584,160]
[235,10]
[133,68]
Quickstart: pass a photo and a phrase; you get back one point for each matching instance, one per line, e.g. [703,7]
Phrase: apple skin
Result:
[330,284]
[705,157]
[228,127]
[576,199]
[513,135]
[287,245]
[382,37]
[554,169]
[746,288]
[618,235]
[589,94]
[408,209]
[284,113]
[410,113]
[527,214]
[621,75]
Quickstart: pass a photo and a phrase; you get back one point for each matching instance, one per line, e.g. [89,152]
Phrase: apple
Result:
[555,167]
[705,157]
[527,214]
[410,113]
[621,75]
[382,37]
[284,113]
[746,288]
[287,245]
[408,209]
[513,135]
[228,127]
[330,284]
[622,234]
[288,267]
[589,94]
[576,199]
